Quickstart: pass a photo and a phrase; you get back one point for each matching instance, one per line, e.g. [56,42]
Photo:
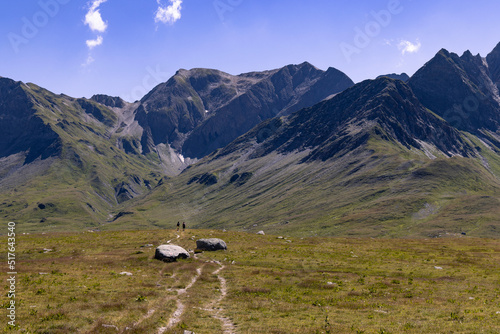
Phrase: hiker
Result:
[183,226]
[178,225]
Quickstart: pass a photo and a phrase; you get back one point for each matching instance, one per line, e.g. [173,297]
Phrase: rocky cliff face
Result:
[200,110]
[460,89]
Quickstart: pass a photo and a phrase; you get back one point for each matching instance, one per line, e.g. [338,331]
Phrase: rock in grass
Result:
[212,244]
[261,233]
[170,253]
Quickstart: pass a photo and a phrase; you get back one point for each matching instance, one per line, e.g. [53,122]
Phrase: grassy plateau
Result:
[109,282]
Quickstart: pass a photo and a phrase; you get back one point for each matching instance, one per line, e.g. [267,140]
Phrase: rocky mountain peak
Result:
[459,89]
[22,131]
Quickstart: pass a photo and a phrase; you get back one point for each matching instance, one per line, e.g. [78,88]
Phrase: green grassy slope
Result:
[379,190]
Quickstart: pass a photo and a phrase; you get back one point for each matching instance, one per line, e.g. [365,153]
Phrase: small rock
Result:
[147,245]
[43,273]
[126,273]
[261,233]
[438,268]
[47,250]
[280,237]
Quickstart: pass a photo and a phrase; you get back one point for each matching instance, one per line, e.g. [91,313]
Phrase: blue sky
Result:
[125,47]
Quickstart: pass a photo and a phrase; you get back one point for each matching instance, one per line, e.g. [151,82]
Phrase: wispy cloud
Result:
[409,47]
[168,14]
[92,43]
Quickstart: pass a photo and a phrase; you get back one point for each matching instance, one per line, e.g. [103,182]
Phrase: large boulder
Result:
[212,244]
[170,253]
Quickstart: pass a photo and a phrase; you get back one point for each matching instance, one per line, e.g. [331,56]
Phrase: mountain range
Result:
[294,150]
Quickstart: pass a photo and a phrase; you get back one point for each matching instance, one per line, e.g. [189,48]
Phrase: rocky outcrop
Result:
[109,101]
[403,76]
[170,253]
[206,179]
[212,244]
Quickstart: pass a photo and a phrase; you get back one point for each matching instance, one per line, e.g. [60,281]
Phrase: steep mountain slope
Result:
[23,132]
[370,161]
[58,164]
[201,110]
[385,107]
[461,90]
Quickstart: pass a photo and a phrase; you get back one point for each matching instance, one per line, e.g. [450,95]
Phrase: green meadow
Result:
[109,282]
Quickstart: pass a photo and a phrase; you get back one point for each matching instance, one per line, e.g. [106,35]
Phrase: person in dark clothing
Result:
[178,225]
[183,226]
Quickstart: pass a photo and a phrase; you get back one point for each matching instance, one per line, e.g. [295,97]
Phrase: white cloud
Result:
[409,47]
[169,14]
[95,22]
[94,19]
[92,43]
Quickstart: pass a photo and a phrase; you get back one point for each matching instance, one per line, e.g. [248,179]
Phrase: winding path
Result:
[176,316]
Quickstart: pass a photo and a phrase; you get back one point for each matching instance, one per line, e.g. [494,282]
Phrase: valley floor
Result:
[108,282]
